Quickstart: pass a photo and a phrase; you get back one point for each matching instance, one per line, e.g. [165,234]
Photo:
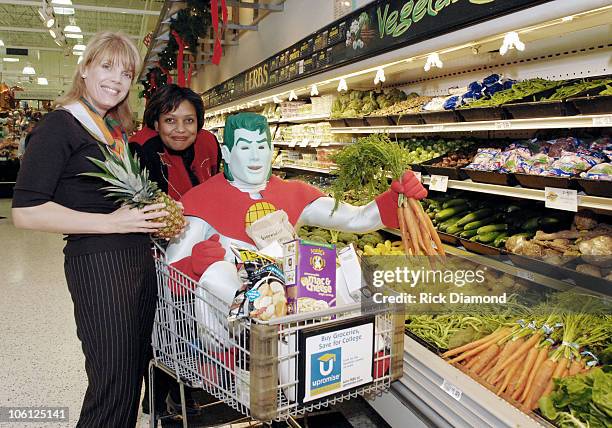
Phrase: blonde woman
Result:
[108,263]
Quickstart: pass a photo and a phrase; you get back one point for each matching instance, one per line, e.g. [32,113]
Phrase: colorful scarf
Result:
[106,130]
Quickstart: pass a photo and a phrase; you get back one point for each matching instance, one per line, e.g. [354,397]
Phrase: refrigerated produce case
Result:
[566,42]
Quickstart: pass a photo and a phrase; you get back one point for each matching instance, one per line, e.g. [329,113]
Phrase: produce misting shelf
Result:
[304,168]
[584,201]
[585,121]
[456,399]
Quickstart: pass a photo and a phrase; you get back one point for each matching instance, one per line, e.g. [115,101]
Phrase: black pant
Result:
[114,295]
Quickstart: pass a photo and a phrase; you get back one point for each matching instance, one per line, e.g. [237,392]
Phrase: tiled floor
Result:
[41,363]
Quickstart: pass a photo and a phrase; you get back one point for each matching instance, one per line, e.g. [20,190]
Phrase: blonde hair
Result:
[118,48]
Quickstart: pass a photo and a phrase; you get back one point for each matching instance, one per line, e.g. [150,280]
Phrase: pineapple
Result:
[130,185]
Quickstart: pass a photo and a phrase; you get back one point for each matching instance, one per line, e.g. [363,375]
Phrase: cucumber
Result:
[474,238]
[468,233]
[454,229]
[531,224]
[454,202]
[492,228]
[548,221]
[447,213]
[488,237]
[448,223]
[475,216]
[512,208]
[501,239]
[479,223]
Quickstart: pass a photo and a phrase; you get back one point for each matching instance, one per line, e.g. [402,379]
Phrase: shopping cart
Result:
[255,366]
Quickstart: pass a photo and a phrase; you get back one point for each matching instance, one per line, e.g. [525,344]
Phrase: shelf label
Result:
[438,183]
[354,130]
[303,143]
[438,128]
[417,174]
[561,199]
[503,124]
[451,390]
[525,274]
[602,120]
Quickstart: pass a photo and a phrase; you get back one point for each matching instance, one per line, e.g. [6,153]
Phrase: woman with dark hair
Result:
[181,155]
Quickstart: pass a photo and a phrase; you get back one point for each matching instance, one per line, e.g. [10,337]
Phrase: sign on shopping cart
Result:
[335,358]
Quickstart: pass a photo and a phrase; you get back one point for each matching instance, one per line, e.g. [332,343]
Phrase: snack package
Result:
[274,227]
[263,295]
[486,159]
[310,272]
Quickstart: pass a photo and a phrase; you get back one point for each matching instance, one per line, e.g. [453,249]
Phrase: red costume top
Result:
[225,207]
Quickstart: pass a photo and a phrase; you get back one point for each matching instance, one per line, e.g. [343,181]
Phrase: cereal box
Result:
[310,273]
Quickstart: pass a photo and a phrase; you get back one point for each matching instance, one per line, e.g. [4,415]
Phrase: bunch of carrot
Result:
[517,361]
[419,235]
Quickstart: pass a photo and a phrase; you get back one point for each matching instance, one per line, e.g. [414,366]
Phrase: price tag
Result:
[503,124]
[417,174]
[451,390]
[602,120]
[292,143]
[438,183]
[561,199]
[303,143]
[438,128]
[525,274]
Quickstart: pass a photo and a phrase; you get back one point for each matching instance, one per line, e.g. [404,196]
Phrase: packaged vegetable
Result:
[486,159]
[603,171]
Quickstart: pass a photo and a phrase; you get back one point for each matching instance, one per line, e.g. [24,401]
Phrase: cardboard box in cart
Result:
[310,274]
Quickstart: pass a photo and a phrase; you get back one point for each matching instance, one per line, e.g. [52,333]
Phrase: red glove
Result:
[409,186]
[203,254]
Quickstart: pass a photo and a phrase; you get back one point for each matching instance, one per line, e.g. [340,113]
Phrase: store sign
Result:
[378,27]
[336,358]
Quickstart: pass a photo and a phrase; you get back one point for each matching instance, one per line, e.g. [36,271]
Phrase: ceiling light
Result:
[314,91]
[79,47]
[511,41]
[77,53]
[342,86]
[42,81]
[50,21]
[9,59]
[28,70]
[74,36]
[63,2]
[72,29]
[433,60]
[63,10]
[380,76]
[52,32]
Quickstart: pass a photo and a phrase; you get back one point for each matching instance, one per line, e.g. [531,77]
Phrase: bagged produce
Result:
[603,171]
[486,159]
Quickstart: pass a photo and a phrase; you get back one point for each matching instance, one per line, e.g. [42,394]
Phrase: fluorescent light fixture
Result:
[314,91]
[63,10]
[42,81]
[28,70]
[342,86]
[72,29]
[511,41]
[433,60]
[50,21]
[77,53]
[9,59]
[79,47]
[52,32]
[74,36]
[380,76]
[62,2]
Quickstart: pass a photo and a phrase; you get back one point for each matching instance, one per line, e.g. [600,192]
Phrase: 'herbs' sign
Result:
[378,27]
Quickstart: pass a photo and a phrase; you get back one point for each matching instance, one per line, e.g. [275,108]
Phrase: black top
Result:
[54,158]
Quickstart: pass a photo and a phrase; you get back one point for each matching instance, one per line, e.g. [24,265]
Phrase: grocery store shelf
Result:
[584,201]
[307,143]
[586,121]
[466,404]
[297,119]
[303,168]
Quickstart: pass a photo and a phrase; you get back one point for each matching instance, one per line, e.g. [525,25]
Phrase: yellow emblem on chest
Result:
[257,211]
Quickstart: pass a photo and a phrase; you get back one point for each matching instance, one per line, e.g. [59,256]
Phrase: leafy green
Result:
[583,400]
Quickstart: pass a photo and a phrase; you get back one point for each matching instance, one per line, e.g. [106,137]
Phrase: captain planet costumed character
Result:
[219,210]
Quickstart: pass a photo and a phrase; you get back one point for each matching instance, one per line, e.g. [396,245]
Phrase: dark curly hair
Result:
[167,99]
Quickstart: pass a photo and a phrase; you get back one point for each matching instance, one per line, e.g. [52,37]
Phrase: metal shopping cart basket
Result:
[274,370]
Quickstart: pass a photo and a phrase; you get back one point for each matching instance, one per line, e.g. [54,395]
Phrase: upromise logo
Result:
[326,371]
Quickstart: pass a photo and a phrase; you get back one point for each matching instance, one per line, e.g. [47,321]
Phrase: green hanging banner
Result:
[378,27]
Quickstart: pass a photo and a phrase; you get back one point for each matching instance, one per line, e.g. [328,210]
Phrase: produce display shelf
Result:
[584,201]
[304,168]
[457,399]
[585,121]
